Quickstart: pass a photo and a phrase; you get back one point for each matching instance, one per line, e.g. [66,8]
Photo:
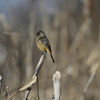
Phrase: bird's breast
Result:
[41,46]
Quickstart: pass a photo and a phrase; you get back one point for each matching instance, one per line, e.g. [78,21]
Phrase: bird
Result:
[43,43]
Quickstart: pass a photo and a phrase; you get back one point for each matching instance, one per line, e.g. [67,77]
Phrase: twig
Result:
[6,92]
[88,83]
[35,74]
[0,85]
[94,70]
[33,80]
[29,84]
[56,84]
[99,33]
[38,88]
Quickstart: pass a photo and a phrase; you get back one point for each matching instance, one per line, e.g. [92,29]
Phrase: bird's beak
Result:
[37,33]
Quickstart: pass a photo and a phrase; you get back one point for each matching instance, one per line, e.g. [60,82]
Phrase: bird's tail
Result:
[52,58]
[51,55]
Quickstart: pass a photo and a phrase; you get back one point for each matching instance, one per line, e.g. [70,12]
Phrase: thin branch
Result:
[33,80]
[88,83]
[6,92]
[0,85]
[35,74]
[90,80]
[38,88]
[29,84]
[94,70]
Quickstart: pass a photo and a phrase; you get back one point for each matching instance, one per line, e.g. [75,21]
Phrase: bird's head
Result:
[40,33]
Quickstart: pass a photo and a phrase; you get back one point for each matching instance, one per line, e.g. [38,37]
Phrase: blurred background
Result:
[73,29]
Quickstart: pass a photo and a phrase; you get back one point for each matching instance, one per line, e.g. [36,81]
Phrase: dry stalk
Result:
[0,85]
[30,83]
[57,85]
[93,73]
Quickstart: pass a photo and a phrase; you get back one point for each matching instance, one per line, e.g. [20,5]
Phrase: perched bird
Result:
[43,43]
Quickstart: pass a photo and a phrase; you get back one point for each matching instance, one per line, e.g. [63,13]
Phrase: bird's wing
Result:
[46,42]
